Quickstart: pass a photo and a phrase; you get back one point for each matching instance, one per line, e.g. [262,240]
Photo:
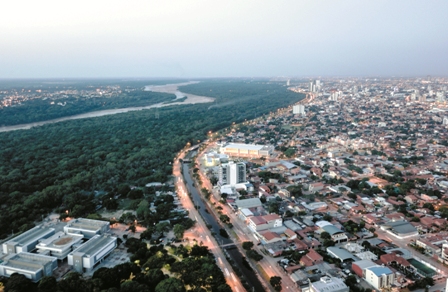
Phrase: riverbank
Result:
[168,88]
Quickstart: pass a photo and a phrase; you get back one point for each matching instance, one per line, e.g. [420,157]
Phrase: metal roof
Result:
[341,254]
[379,271]
[331,229]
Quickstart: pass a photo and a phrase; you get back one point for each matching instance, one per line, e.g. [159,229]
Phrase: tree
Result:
[151,278]
[147,234]
[74,282]
[290,152]
[224,196]
[206,193]
[328,242]
[162,227]
[132,286]
[351,281]
[247,245]
[110,203]
[224,219]
[366,244]
[108,278]
[179,230]
[274,207]
[254,255]
[325,235]
[19,283]
[170,285]
[47,284]
[429,206]
[223,233]
[276,283]
[327,217]
[351,196]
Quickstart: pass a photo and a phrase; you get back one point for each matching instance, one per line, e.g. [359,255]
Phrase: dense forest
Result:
[65,165]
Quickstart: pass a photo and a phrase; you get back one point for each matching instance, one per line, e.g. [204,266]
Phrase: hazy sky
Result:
[231,38]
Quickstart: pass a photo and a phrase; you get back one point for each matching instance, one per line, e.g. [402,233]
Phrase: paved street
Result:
[267,264]
[200,232]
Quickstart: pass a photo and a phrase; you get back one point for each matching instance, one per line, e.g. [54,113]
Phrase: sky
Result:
[231,38]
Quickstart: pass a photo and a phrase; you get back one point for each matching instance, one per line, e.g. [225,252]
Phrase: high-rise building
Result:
[298,109]
[314,86]
[232,173]
[445,121]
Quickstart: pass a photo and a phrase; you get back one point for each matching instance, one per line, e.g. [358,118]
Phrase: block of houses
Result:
[267,237]
[389,258]
[259,223]
[311,258]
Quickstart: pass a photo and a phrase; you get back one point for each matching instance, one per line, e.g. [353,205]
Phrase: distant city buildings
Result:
[315,86]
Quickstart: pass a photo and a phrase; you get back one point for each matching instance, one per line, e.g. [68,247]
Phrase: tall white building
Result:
[314,86]
[232,173]
[298,109]
[445,121]
[379,277]
[92,252]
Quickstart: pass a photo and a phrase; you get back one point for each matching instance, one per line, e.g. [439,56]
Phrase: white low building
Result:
[85,257]
[59,245]
[327,284]
[247,150]
[33,266]
[87,227]
[27,241]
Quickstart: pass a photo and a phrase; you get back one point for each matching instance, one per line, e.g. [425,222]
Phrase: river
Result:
[168,88]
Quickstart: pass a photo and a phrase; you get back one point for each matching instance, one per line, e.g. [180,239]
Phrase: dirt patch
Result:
[63,241]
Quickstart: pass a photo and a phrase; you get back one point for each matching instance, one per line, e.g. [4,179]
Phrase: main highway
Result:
[200,232]
[267,266]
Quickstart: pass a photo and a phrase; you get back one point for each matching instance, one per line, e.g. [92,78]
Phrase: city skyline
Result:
[195,39]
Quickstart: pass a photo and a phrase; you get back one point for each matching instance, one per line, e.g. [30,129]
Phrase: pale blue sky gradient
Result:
[232,38]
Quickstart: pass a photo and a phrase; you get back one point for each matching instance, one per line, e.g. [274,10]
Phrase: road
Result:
[267,264]
[201,232]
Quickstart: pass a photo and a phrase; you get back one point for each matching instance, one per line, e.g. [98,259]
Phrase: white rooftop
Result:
[244,146]
[329,284]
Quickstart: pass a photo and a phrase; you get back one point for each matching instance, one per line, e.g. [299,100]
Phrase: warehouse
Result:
[400,229]
[247,150]
[85,257]
[341,254]
[27,241]
[32,266]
